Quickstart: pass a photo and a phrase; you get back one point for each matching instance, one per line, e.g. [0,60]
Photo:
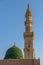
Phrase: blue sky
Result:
[12,17]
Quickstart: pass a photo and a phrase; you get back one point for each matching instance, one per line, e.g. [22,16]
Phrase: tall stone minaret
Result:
[28,36]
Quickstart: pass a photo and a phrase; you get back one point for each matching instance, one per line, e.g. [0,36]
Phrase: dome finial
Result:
[14,44]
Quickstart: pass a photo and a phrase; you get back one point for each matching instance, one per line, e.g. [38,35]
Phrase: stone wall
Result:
[20,62]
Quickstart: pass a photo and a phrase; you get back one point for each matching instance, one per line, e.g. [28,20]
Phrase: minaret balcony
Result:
[28,34]
[28,22]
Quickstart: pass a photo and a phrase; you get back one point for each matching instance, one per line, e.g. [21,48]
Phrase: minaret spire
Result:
[28,5]
[28,35]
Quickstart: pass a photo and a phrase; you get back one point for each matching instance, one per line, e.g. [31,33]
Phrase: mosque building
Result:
[14,54]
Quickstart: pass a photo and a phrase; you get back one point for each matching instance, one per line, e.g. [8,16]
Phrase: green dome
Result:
[13,53]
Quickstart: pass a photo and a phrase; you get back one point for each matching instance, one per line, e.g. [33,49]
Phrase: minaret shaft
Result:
[28,36]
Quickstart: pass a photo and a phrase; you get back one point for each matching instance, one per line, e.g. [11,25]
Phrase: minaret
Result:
[28,36]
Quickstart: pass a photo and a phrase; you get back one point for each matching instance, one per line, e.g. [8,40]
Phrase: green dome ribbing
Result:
[13,53]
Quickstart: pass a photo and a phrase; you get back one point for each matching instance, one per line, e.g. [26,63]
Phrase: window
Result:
[29,45]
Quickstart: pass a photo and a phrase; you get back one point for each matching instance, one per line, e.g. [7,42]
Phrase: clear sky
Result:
[12,17]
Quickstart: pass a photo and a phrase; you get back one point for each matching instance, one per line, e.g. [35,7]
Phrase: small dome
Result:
[13,53]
